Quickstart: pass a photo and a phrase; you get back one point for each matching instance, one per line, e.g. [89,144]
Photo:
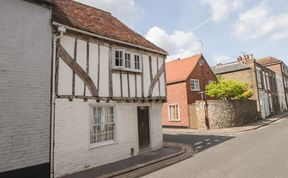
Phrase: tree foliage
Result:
[229,90]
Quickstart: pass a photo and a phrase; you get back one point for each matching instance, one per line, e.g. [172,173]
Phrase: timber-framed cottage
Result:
[109,88]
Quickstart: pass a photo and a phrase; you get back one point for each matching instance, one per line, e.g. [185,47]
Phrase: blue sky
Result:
[220,29]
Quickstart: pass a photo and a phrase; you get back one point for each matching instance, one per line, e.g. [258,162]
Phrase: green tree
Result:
[229,90]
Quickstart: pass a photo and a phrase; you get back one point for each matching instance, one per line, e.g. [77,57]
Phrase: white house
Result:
[25,84]
[109,89]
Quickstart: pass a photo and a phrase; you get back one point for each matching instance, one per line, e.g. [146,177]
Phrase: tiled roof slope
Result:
[80,16]
[179,70]
[229,67]
[268,60]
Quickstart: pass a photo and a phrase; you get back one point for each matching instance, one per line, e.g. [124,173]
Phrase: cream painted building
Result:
[109,90]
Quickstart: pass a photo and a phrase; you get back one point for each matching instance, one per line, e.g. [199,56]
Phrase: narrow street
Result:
[257,153]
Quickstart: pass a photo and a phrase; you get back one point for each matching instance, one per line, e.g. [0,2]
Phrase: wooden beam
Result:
[159,89]
[135,78]
[165,80]
[155,80]
[87,64]
[128,84]
[110,72]
[142,80]
[98,68]
[75,58]
[78,70]
[121,85]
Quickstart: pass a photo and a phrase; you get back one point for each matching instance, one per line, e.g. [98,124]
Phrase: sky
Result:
[220,29]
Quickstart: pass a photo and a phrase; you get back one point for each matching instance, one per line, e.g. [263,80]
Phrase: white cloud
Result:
[222,8]
[258,22]
[179,44]
[123,9]
[217,59]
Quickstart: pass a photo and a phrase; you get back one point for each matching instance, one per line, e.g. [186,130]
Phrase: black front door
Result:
[143,126]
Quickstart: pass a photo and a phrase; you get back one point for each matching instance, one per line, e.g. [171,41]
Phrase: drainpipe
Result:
[62,30]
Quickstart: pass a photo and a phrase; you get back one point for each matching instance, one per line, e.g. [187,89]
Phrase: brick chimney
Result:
[245,58]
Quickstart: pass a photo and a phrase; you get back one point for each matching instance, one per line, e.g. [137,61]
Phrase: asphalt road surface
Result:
[261,153]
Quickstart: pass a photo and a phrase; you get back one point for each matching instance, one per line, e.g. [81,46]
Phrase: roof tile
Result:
[77,15]
[179,70]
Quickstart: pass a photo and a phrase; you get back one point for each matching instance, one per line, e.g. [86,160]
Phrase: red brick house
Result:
[184,86]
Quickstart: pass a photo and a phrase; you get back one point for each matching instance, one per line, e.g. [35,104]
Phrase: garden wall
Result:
[226,113]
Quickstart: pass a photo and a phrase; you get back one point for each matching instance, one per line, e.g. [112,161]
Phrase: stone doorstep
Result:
[159,163]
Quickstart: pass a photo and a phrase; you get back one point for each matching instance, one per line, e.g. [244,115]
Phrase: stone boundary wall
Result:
[226,113]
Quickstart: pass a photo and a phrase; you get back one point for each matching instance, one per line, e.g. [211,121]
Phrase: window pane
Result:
[102,125]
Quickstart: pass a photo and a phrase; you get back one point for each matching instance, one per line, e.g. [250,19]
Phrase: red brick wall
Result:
[176,94]
[196,74]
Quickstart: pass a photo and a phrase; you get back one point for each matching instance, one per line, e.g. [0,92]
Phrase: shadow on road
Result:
[197,142]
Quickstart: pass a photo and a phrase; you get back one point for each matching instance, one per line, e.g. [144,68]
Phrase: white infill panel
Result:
[116,85]
[65,73]
[93,65]
[146,74]
[155,91]
[104,72]
[162,80]
[139,86]
[124,85]
[132,85]
[81,60]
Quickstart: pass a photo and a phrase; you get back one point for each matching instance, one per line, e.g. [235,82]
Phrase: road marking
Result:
[198,143]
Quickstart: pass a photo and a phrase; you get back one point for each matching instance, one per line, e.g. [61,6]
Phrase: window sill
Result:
[102,144]
[127,70]
[175,120]
[196,90]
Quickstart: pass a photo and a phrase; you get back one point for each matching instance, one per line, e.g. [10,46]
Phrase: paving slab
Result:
[134,165]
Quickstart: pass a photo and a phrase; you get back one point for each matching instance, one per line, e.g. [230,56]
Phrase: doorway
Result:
[143,127]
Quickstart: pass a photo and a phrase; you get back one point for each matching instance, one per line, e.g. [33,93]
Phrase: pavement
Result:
[142,164]
[247,127]
[179,145]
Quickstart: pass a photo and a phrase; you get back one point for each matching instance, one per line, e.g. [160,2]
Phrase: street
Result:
[258,153]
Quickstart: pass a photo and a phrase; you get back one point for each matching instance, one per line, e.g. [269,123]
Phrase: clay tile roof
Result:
[93,20]
[268,60]
[180,69]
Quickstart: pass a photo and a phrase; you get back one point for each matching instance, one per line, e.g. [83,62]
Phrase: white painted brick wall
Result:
[25,57]
[72,149]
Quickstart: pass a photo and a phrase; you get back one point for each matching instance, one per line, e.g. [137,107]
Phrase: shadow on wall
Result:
[197,142]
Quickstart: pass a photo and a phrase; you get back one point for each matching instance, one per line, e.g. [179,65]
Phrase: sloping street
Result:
[257,153]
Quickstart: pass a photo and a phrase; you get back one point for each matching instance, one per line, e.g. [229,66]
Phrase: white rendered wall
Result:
[72,147]
[25,70]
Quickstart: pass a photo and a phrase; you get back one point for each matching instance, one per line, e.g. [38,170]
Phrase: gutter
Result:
[107,38]
[52,121]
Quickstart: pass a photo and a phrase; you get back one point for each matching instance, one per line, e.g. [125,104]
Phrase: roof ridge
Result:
[186,58]
[86,5]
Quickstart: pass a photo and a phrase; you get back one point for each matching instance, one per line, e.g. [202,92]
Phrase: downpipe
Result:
[61,30]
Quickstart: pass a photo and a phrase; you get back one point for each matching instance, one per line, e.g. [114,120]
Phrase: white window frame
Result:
[134,62]
[91,124]
[178,111]
[193,81]
[114,59]
[259,79]
[124,65]
[127,60]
